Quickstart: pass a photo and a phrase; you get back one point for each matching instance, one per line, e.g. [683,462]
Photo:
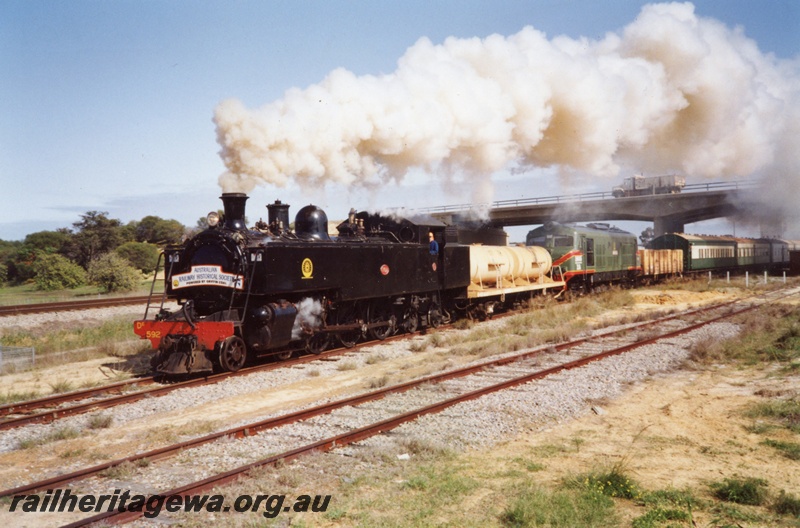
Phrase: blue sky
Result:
[108,105]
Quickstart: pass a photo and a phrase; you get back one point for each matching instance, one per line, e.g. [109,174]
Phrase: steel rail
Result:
[61,306]
[121,399]
[60,399]
[54,414]
[256,427]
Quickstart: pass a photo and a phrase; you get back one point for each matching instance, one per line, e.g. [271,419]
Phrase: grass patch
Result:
[377,383]
[100,421]
[373,359]
[533,506]
[658,516]
[123,471]
[529,465]
[419,346]
[346,365]
[611,483]
[14,397]
[787,504]
[785,413]
[670,497]
[790,450]
[62,433]
[729,516]
[72,453]
[770,334]
[47,341]
[667,505]
[424,449]
[751,491]
[60,386]
[28,294]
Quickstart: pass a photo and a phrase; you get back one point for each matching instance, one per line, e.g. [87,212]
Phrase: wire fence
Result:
[17,358]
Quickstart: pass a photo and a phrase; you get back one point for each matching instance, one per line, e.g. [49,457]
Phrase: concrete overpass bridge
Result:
[668,212]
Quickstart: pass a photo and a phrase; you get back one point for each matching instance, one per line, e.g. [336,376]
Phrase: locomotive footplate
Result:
[207,333]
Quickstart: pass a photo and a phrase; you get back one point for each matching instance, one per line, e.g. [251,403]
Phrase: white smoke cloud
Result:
[671,92]
[308,319]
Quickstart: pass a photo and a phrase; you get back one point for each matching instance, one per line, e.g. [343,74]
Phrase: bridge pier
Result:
[663,225]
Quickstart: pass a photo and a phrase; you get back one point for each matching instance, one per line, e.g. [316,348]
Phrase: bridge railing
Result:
[568,198]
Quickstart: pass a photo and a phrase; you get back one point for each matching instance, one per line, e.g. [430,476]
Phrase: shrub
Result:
[140,255]
[113,273]
[787,504]
[3,273]
[750,491]
[612,482]
[55,272]
[100,421]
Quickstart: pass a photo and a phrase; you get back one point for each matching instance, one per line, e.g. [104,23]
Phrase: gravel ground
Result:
[476,424]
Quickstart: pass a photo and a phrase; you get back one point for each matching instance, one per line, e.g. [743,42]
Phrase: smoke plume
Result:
[671,92]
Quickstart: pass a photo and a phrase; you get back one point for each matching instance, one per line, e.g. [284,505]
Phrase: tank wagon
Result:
[268,290]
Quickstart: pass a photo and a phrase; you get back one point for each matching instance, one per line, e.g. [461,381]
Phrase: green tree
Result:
[21,265]
[21,262]
[96,234]
[50,241]
[113,273]
[3,273]
[8,252]
[129,231]
[55,272]
[159,231]
[140,255]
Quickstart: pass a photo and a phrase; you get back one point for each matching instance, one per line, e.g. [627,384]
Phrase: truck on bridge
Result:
[643,185]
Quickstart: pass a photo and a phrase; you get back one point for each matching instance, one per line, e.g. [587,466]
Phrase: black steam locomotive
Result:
[268,290]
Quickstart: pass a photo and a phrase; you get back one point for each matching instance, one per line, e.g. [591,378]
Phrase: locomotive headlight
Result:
[212,219]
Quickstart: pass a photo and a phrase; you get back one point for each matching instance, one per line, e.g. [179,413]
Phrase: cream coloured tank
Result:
[507,265]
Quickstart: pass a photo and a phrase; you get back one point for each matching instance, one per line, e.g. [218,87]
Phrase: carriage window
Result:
[537,241]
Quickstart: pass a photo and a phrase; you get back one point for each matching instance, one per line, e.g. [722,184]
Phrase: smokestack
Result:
[278,215]
[234,204]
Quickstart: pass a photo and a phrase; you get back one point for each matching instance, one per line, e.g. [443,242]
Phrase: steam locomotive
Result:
[269,290]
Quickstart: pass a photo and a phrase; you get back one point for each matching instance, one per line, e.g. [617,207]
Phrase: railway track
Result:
[31,412]
[61,306]
[478,380]
[51,408]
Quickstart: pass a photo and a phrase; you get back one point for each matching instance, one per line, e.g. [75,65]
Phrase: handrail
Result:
[597,195]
